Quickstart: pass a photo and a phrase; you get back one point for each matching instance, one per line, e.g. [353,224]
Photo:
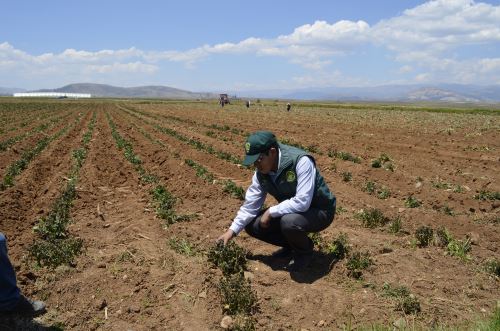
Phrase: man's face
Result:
[266,161]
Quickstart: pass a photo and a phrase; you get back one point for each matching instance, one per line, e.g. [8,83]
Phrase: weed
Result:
[458,189]
[384,193]
[405,301]
[165,202]
[395,225]
[412,202]
[383,161]
[340,210]
[316,239]
[448,210]
[369,187]
[372,218]
[443,237]
[346,176]
[460,248]
[357,262]
[230,258]
[182,246]
[486,195]
[339,247]
[237,295]
[424,235]
[234,190]
[493,267]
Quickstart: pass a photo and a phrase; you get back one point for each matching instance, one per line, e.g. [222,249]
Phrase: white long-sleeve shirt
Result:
[255,196]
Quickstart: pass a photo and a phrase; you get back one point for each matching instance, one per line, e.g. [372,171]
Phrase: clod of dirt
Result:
[248,276]
[227,322]
[134,309]
[400,324]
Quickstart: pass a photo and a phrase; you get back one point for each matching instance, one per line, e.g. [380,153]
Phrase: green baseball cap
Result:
[258,142]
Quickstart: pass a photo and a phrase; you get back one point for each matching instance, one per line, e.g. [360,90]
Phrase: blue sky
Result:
[249,45]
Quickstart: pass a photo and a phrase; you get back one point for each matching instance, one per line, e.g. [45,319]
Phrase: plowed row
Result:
[130,278]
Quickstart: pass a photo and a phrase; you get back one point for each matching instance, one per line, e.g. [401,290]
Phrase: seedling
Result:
[395,225]
[358,262]
[493,267]
[369,187]
[424,235]
[412,202]
[384,193]
[230,258]
[339,247]
[486,195]
[234,190]
[346,176]
[460,248]
[383,161]
[405,301]
[443,237]
[372,218]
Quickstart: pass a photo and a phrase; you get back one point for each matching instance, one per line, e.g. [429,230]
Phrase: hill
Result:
[103,90]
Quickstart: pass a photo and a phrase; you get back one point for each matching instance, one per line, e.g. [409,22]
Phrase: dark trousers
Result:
[291,230]
[9,292]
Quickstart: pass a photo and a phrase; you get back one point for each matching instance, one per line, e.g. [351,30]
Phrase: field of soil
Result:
[137,272]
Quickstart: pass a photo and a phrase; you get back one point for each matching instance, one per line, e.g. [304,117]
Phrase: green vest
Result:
[285,185]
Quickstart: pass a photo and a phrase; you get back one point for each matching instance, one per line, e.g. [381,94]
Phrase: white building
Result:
[51,95]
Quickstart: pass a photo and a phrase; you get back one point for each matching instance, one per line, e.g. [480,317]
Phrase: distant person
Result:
[305,203]
[248,103]
[288,106]
[11,299]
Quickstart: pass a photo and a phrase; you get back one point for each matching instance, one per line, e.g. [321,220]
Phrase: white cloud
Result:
[426,40]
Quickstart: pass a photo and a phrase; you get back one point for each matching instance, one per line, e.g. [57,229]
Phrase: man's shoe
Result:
[282,253]
[299,262]
[28,307]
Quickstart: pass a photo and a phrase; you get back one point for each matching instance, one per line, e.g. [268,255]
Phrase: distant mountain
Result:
[102,90]
[10,90]
[403,93]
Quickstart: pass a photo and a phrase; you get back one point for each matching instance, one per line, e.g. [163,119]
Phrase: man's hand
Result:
[228,235]
[265,220]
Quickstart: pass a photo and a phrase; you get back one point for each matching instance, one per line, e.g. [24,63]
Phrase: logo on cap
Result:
[247,147]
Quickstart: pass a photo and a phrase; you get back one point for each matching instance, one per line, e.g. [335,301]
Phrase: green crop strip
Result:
[193,142]
[163,199]
[4,145]
[55,246]
[18,166]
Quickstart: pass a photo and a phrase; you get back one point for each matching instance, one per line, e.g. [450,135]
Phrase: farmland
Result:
[110,208]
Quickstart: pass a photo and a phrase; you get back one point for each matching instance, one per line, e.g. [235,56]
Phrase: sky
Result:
[218,45]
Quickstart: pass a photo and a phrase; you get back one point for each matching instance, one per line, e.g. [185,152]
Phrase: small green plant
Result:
[182,246]
[383,161]
[316,239]
[493,267]
[424,235]
[405,301]
[486,195]
[230,258]
[237,295]
[339,247]
[346,176]
[372,218]
[443,237]
[460,248]
[358,262]
[395,225]
[234,190]
[55,252]
[384,193]
[412,202]
[369,187]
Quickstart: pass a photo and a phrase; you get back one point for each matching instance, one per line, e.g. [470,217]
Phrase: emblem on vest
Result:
[247,147]
[290,176]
